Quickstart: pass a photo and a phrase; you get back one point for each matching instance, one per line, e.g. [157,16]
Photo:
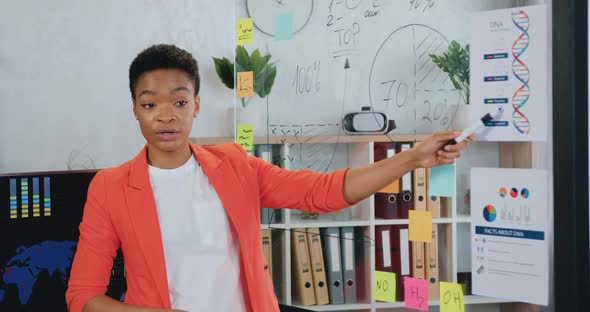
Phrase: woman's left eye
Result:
[181,103]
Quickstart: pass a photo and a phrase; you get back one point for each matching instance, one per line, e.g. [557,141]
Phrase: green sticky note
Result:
[245,31]
[451,297]
[284,26]
[245,136]
[385,286]
[442,181]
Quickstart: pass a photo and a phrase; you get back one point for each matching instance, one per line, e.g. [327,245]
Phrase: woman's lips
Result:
[167,135]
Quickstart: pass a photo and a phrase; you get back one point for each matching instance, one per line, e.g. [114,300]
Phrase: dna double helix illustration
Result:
[521,72]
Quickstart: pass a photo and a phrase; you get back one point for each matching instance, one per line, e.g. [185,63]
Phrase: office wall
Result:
[64,98]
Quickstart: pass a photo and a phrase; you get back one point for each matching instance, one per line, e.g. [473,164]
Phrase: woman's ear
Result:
[197,106]
[134,110]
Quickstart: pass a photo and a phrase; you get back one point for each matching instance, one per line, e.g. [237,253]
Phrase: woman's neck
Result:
[168,160]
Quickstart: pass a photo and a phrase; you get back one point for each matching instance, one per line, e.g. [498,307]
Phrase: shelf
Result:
[453,244]
[405,221]
[391,221]
[463,219]
[336,307]
[313,223]
[272,226]
[317,139]
[471,299]
[474,299]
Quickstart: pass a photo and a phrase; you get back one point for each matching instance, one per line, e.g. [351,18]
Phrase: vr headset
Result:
[367,122]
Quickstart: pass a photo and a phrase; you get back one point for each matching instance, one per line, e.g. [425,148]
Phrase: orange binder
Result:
[301,266]
[267,249]
[418,259]
[317,266]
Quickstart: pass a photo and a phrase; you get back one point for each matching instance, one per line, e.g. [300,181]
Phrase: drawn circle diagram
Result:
[525,193]
[405,83]
[503,192]
[489,213]
[514,192]
[264,13]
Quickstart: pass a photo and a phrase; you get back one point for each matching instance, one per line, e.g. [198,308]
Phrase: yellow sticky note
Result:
[245,31]
[245,84]
[385,286]
[420,227]
[246,136]
[451,297]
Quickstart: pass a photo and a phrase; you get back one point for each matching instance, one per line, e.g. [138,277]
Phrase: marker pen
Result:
[480,123]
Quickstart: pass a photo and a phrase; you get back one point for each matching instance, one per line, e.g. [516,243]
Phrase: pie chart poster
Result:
[509,250]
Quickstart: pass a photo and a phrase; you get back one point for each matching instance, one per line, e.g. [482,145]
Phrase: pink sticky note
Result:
[416,293]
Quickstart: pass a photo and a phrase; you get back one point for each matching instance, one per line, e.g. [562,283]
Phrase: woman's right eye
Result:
[149,105]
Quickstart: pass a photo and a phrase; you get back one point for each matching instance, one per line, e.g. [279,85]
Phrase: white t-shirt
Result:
[201,252]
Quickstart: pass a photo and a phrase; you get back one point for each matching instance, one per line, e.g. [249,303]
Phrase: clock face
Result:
[264,13]
[406,84]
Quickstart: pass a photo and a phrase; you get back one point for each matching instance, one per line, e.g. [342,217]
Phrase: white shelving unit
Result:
[454,227]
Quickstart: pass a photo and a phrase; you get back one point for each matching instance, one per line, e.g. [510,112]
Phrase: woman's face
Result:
[165,105]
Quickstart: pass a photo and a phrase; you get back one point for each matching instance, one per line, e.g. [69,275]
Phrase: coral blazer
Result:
[120,211]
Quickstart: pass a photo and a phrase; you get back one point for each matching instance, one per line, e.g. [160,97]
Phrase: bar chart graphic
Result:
[13,200]
[28,195]
[24,191]
[47,197]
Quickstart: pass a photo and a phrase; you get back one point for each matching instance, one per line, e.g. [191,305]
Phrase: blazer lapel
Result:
[233,197]
[222,177]
[144,217]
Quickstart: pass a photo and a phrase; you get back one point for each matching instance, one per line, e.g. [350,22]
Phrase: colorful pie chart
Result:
[489,213]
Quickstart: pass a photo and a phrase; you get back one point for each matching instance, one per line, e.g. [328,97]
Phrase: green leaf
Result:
[455,62]
[243,59]
[455,83]
[258,63]
[225,71]
[263,84]
[270,80]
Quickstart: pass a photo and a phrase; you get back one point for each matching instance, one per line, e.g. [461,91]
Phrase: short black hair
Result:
[163,56]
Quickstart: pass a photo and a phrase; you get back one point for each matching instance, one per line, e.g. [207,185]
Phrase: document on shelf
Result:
[509,250]
[509,73]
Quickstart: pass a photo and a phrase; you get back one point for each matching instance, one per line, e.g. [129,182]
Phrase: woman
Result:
[187,217]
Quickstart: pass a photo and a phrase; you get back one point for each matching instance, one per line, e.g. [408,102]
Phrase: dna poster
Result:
[509,249]
[509,73]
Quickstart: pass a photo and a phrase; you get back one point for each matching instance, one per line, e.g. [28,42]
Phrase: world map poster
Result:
[39,218]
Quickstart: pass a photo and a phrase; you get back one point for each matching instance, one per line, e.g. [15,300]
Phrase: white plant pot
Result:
[461,118]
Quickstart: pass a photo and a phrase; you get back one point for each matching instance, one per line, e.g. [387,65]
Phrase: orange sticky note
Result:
[245,31]
[246,136]
[385,286]
[245,84]
[416,293]
[451,297]
[420,227]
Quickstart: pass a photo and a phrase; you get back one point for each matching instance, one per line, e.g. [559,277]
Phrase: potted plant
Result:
[264,74]
[455,62]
